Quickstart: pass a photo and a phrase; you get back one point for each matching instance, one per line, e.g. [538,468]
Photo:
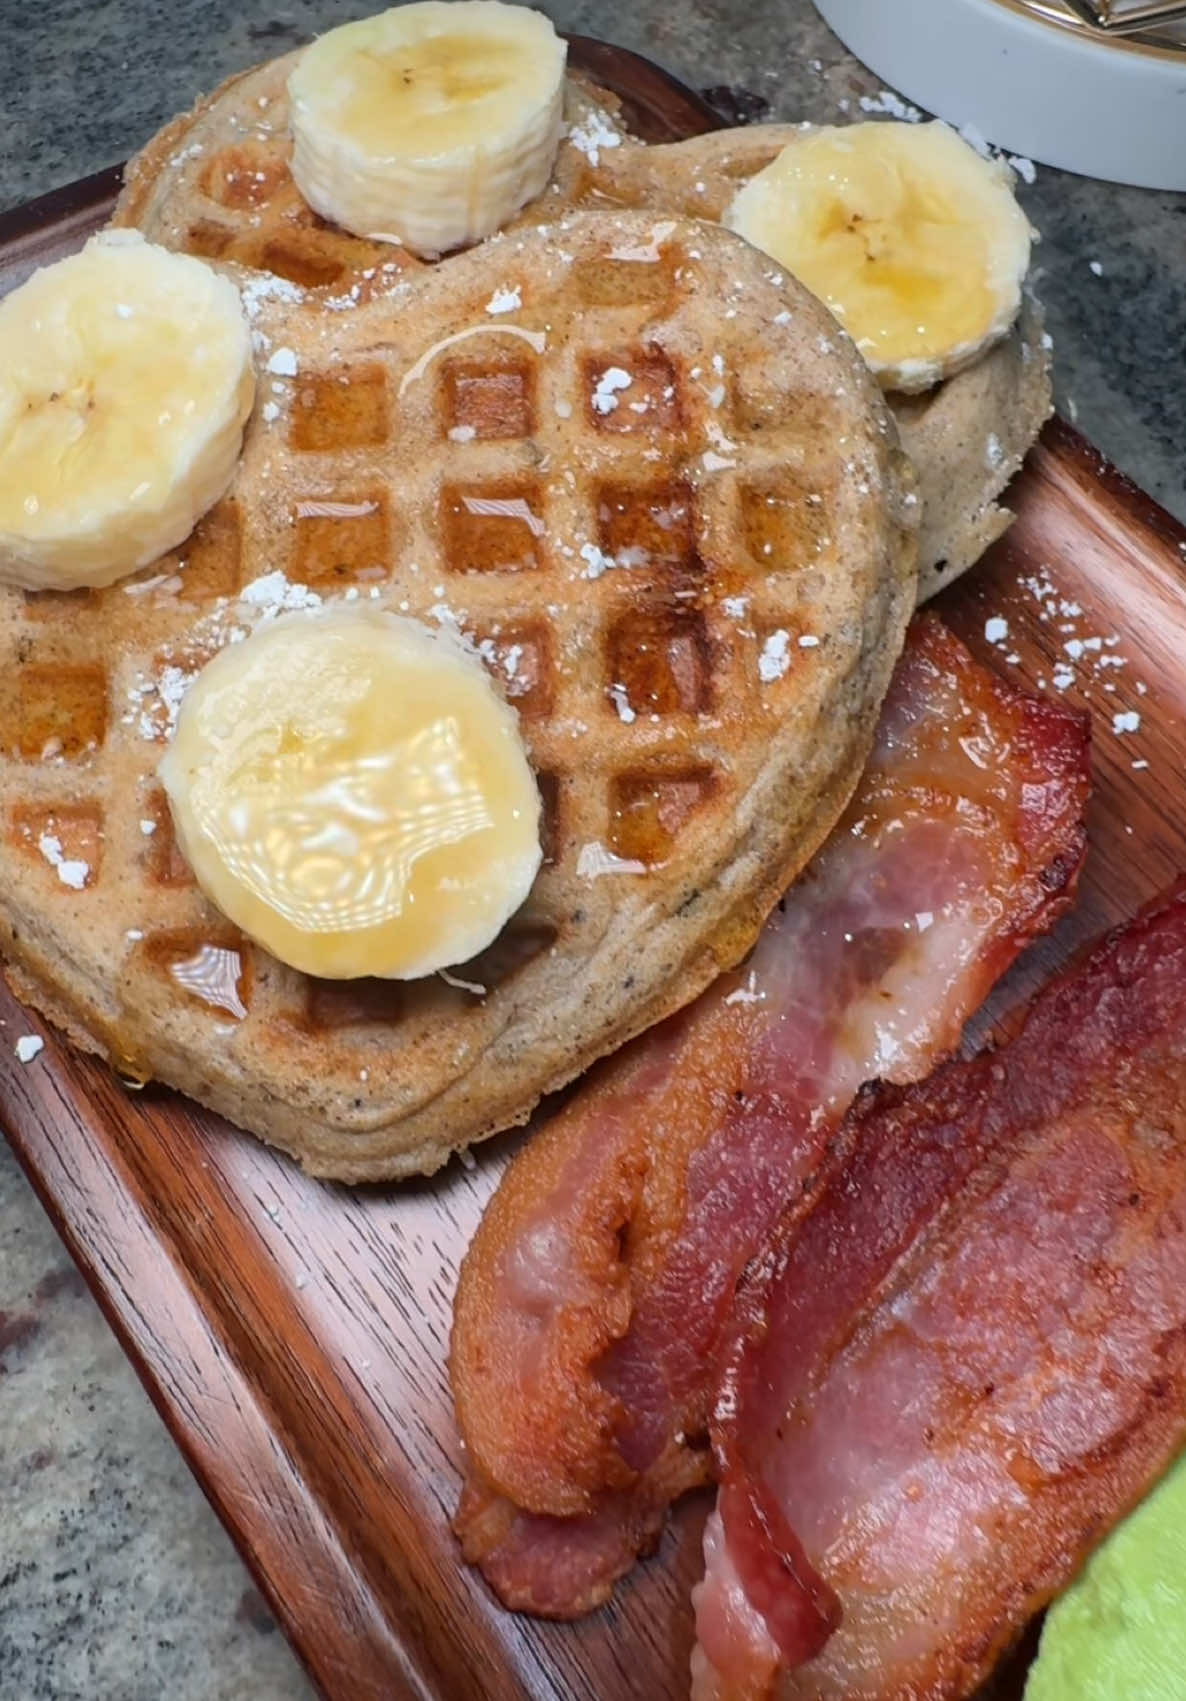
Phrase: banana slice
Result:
[431,124]
[125,380]
[914,241]
[349,788]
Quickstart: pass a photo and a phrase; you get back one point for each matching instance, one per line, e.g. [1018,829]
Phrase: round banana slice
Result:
[352,792]
[125,381]
[430,124]
[915,242]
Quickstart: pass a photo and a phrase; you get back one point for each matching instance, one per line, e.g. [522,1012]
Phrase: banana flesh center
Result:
[125,376]
[392,95]
[76,440]
[430,124]
[914,242]
[898,266]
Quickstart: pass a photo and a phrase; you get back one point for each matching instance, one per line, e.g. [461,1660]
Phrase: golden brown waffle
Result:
[694,597]
[216,182]
[966,437]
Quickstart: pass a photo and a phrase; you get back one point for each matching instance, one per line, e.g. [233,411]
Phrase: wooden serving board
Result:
[294,1334]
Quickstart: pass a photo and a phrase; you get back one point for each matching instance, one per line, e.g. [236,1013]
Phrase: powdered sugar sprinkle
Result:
[593,133]
[775,657]
[605,393]
[71,871]
[504,301]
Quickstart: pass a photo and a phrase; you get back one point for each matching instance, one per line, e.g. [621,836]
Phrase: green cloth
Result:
[1119,1633]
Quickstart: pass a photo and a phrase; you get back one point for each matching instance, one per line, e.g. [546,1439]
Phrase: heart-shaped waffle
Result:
[691,578]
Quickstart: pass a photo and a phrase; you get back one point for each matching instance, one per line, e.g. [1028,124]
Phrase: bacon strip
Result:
[967,1360]
[592,1299]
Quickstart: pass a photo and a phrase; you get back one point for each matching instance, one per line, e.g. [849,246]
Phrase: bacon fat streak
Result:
[967,1361]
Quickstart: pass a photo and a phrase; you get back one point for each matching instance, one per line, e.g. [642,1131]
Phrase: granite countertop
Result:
[116,1581]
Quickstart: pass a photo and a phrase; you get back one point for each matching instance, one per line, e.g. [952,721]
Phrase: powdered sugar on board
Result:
[1083,658]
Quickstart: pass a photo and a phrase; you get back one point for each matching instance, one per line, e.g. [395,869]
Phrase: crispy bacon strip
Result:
[967,1359]
[592,1299]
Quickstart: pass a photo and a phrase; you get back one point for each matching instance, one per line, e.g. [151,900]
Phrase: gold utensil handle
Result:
[1120,16]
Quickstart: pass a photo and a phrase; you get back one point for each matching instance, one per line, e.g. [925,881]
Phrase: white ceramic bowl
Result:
[1049,89]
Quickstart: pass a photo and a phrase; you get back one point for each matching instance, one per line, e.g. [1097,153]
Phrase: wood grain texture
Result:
[293,1334]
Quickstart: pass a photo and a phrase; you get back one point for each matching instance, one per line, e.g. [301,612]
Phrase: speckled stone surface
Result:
[116,1581]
